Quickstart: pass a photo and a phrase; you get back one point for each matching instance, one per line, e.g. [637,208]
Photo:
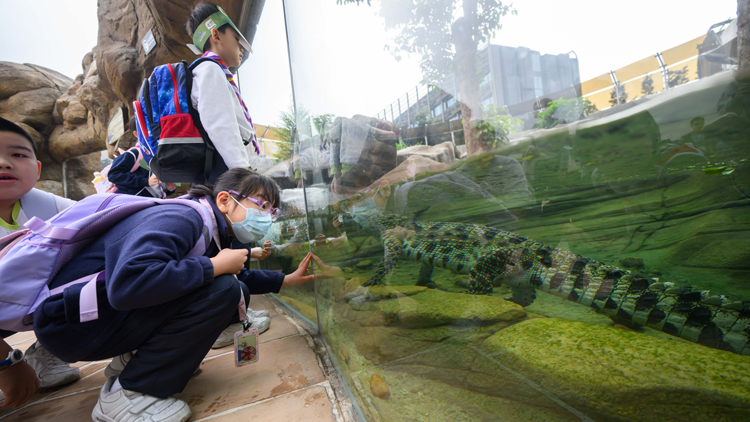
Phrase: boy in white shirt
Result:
[215,94]
[19,201]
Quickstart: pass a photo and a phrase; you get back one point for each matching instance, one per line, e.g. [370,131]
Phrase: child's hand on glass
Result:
[298,277]
[326,271]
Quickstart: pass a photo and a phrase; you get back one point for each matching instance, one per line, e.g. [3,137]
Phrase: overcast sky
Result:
[339,62]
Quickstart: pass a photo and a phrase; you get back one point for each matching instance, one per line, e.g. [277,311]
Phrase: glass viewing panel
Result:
[542,227]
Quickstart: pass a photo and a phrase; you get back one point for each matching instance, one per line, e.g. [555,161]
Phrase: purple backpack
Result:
[30,258]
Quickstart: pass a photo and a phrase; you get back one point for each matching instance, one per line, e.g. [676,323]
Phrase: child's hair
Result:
[242,180]
[8,126]
[198,15]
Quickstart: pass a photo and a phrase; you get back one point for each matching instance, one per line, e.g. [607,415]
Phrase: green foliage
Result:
[564,111]
[678,77]
[613,96]
[323,123]
[402,145]
[647,86]
[497,126]
[288,130]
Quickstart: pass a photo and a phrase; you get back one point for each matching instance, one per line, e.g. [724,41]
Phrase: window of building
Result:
[487,101]
[450,102]
[485,79]
[535,65]
[538,86]
[437,110]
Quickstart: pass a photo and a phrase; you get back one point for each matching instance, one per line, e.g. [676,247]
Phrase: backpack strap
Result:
[89,309]
[38,203]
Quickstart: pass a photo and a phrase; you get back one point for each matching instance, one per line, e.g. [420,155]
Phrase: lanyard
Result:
[215,235]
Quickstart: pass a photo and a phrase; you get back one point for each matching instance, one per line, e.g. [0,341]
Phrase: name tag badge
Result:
[245,347]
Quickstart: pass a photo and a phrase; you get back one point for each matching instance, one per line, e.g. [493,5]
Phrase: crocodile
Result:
[491,256]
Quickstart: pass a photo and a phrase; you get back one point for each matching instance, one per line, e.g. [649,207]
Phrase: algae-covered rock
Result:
[613,374]
[365,263]
[392,292]
[432,308]
[632,262]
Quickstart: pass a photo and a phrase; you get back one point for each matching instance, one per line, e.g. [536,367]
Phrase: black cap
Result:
[8,126]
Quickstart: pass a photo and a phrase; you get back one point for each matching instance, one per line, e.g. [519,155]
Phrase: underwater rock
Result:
[432,308]
[632,262]
[365,263]
[442,153]
[393,292]
[345,355]
[379,387]
[613,374]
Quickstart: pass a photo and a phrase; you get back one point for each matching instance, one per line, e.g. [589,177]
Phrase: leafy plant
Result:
[564,111]
[497,126]
[402,145]
[287,131]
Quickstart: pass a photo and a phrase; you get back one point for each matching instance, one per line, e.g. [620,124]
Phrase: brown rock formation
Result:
[69,118]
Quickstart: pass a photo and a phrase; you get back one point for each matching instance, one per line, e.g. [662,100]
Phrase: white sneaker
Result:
[125,405]
[227,336]
[258,314]
[118,363]
[50,370]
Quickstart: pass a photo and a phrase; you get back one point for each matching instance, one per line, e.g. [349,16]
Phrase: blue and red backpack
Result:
[174,143]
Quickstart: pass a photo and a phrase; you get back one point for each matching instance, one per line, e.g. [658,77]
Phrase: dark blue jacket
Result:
[127,182]
[142,257]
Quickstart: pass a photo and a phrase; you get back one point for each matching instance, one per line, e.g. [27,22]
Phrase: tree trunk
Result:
[465,41]
[743,39]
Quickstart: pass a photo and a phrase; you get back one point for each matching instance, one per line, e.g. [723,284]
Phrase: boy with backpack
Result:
[19,201]
[158,277]
[215,94]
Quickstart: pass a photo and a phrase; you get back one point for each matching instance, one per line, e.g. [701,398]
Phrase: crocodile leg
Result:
[392,246]
[487,268]
[425,271]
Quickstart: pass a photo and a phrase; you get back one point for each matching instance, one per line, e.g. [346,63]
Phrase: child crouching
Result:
[153,299]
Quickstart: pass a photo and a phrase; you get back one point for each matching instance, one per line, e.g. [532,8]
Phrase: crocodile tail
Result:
[639,301]
[682,312]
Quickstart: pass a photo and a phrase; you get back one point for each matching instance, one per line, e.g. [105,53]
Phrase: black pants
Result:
[172,339]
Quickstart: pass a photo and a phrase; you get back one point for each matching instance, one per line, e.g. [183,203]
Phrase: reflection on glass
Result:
[554,240]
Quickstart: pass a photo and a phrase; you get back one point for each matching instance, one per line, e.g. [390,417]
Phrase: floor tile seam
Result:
[13,345]
[48,399]
[534,385]
[54,395]
[266,400]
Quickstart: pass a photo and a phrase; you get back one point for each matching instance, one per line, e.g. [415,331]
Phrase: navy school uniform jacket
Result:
[127,182]
[144,264]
